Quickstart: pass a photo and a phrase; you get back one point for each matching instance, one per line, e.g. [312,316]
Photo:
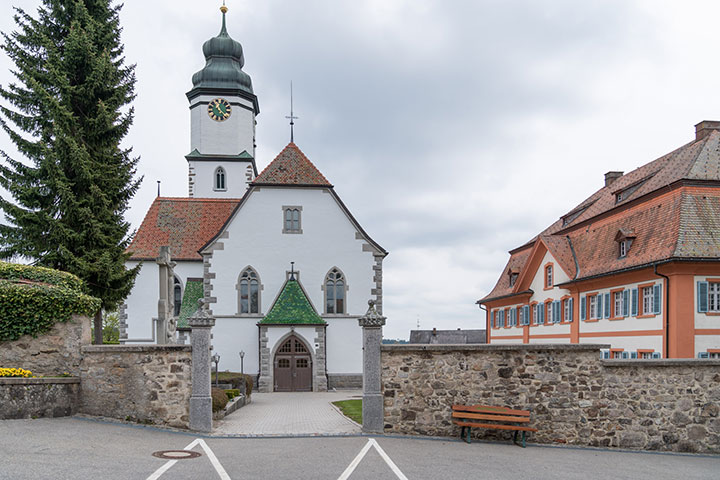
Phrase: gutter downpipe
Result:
[487,321]
[667,310]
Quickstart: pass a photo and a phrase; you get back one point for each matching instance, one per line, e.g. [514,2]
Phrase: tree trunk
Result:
[98,328]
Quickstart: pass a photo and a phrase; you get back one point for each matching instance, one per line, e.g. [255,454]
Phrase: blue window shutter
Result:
[526,308]
[502,318]
[600,305]
[657,301]
[633,355]
[607,305]
[626,295]
[541,312]
[583,303]
[656,355]
[557,318]
[702,300]
[572,307]
[625,355]
[703,355]
[606,354]
[634,302]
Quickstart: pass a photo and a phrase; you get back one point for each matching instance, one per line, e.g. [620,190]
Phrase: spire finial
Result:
[292,270]
[292,117]
[223,9]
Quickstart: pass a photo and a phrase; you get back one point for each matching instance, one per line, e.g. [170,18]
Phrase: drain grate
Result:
[175,454]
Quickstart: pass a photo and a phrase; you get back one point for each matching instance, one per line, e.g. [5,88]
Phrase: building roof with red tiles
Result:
[664,218]
[292,167]
[183,224]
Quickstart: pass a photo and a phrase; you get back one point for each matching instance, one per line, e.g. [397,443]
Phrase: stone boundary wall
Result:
[149,384]
[574,397]
[38,397]
[52,353]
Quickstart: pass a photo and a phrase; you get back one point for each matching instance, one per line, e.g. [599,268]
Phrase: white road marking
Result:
[210,454]
[356,461]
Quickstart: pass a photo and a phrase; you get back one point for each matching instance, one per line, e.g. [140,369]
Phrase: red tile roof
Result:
[183,224]
[682,222]
[291,167]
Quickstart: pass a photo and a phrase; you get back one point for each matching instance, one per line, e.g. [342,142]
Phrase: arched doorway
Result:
[293,367]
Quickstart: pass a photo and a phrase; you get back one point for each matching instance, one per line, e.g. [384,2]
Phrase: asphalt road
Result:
[76,448]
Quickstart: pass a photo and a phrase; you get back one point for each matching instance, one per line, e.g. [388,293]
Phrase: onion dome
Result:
[224,61]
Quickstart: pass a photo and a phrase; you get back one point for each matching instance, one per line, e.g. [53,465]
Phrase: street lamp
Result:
[216,359]
[242,361]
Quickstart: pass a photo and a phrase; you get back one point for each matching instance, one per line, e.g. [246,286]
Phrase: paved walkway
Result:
[295,413]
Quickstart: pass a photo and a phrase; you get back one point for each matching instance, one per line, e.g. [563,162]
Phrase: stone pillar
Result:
[166,311]
[201,324]
[372,407]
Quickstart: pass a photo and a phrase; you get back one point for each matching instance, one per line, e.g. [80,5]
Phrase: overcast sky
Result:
[453,130]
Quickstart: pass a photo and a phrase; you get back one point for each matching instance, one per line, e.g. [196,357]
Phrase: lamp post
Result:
[242,361]
[216,359]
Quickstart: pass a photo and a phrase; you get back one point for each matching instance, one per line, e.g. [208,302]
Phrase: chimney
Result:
[704,128]
[434,332]
[610,177]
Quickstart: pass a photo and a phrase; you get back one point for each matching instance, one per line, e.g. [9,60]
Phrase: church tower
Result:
[223,108]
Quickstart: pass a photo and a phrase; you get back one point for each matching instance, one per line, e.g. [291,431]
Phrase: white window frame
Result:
[617,303]
[548,276]
[623,248]
[713,297]
[592,307]
[567,311]
[645,355]
[648,299]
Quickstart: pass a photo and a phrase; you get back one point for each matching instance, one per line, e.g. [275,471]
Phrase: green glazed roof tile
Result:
[193,293]
[292,307]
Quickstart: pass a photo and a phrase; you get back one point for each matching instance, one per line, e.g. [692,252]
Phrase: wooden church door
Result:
[293,367]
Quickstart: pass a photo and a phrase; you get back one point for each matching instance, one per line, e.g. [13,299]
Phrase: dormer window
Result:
[513,278]
[624,238]
[220,184]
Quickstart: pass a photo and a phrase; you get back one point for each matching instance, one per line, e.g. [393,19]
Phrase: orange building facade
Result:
[635,266]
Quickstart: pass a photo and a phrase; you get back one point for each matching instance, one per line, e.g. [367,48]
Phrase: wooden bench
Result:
[465,416]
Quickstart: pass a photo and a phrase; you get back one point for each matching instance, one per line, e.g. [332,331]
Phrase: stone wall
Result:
[574,396]
[52,353]
[143,383]
[38,397]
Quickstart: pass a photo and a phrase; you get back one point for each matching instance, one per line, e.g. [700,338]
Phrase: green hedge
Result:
[33,308]
[15,271]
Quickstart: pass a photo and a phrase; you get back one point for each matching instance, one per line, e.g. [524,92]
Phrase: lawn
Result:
[351,409]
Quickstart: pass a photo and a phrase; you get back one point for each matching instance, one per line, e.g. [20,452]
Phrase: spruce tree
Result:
[67,114]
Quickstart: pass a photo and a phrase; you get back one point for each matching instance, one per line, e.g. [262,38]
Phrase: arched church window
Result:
[335,288]
[249,291]
[220,183]
[177,296]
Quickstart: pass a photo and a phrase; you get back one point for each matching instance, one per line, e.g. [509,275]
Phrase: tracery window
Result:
[249,291]
[335,287]
[220,183]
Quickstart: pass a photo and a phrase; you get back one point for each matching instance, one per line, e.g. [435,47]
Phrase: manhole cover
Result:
[176,454]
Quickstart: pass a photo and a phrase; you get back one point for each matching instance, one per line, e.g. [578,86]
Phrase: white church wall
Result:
[230,336]
[229,137]
[327,240]
[142,303]
[344,345]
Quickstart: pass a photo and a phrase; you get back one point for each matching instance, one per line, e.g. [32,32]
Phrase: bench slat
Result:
[497,418]
[489,409]
[498,427]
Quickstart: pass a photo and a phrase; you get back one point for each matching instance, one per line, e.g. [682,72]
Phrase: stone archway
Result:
[292,367]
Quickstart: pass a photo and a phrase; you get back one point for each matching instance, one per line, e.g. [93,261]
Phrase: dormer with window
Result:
[625,192]
[513,276]
[570,217]
[624,239]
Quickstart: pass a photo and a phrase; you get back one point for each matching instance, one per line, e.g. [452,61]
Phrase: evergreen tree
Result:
[67,115]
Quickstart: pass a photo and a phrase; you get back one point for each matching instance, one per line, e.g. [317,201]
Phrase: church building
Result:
[283,265]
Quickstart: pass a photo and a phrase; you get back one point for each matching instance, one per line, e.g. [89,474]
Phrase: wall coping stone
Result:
[38,381]
[672,362]
[135,348]
[413,347]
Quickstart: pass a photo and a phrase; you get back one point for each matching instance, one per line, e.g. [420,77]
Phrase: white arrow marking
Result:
[356,461]
[211,456]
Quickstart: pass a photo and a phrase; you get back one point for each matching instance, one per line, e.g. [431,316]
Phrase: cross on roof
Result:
[292,117]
